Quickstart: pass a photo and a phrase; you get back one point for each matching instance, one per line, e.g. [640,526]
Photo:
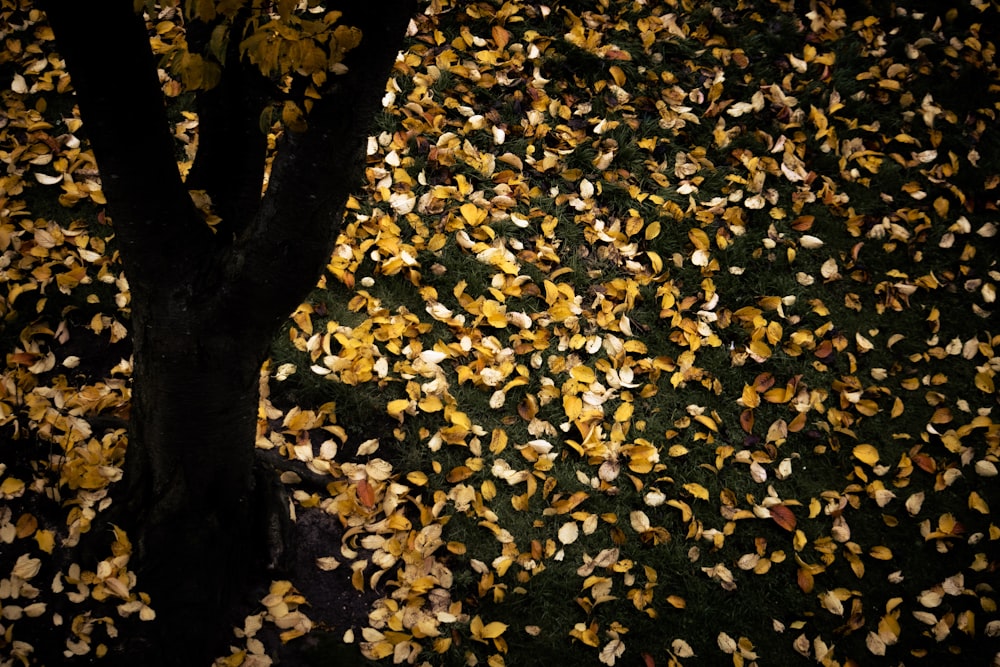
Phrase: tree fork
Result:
[229,163]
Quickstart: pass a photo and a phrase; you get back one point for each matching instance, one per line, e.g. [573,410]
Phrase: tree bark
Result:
[188,486]
[205,308]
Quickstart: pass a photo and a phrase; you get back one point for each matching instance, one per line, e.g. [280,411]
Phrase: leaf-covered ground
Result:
[662,333]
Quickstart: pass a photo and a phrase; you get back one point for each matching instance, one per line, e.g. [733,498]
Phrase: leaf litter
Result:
[667,313]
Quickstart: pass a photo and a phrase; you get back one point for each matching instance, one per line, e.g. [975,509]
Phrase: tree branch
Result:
[106,48]
[229,164]
[280,255]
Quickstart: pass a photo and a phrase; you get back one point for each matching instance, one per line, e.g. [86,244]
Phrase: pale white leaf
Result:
[611,652]
[875,644]
[681,648]
[19,85]
[46,179]
[568,532]
[726,643]
[811,242]
[368,447]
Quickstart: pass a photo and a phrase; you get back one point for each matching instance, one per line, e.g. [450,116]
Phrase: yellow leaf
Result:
[573,406]
[705,420]
[289,635]
[11,487]
[381,650]
[584,374]
[750,397]
[652,230]
[941,207]
[697,490]
[617,74]
[586,634]
[777,395]
[472,213]
[699,238]
[495,314]
[760,348]
[416,477]
[683,507]
[498,441]
[866,454]
[814,508]
[46,540]
[799,541]
[397,407]
[459,418]
[881,553]
[234,660]
[483,632]
[774,332]
[430,404]
[493,630]
[977,503]
[984,383]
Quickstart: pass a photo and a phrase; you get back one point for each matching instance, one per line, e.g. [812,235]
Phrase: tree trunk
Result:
[189,491]
[204,306]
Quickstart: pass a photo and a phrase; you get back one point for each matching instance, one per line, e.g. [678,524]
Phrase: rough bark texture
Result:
[204,307]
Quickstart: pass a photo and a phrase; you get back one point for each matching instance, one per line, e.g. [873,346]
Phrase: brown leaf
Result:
[763,382]
[925,463]
[26,525]
[803,223]
[528,408]
[500,36]
[783,517]
[366,494]
[798,423]
[805,580]
[459,473]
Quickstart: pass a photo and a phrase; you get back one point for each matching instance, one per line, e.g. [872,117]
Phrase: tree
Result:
[205,303]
